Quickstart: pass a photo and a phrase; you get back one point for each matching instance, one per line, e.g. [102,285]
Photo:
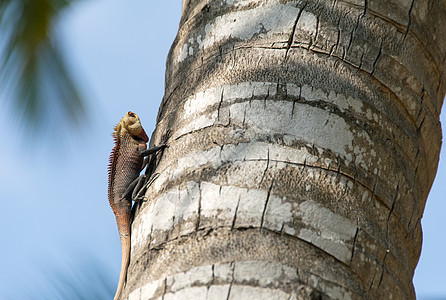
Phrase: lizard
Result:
[127,159]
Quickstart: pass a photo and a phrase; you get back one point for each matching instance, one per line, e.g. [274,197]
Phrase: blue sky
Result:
[54,202]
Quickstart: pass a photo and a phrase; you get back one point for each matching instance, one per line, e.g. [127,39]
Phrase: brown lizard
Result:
[126,162]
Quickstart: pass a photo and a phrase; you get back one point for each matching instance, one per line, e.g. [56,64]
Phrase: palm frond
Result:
[33,70]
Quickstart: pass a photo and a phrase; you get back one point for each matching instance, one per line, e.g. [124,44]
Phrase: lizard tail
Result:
[125,246]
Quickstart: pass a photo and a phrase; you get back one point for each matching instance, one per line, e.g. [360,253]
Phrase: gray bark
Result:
[304,137]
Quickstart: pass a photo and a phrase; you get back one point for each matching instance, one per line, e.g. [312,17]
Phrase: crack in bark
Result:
[266,204]
[354,244]
[423,93]
[360,62]
[266,169]
[229,118]
[197,226]
[421,124]
[295,100]
[376,61]
[266,97]
[409,21]
[393,205]
[338,172]
[352,35]
[232,280]
[291,38]
[358,20]
[338,38]
[212,282]
[165,289]
[373,281]
[374,185]
[383,269]
[219,104]
[410,231]
[235,213]
[244,115]
[235,55]
[199,130]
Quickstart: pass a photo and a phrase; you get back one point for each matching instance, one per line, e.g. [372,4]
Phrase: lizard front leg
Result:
[152,150]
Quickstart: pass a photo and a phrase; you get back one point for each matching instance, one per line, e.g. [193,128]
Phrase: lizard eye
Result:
[131,114]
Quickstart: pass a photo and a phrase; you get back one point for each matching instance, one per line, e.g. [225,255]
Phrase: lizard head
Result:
[132,124]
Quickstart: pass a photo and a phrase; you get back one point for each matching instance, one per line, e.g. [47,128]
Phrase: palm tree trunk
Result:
[304,137]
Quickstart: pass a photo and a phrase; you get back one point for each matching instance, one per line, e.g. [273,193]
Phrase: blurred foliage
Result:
[85,279]
[33,73]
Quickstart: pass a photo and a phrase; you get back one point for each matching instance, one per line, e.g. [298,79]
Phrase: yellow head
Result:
[131,123]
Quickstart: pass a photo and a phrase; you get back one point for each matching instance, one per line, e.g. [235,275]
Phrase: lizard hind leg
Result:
[138,193]
[135,185]
[139,188]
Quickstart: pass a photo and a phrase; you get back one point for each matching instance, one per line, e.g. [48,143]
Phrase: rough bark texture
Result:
[304,138]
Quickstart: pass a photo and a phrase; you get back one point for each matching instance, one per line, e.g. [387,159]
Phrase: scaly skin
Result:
[125,165]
